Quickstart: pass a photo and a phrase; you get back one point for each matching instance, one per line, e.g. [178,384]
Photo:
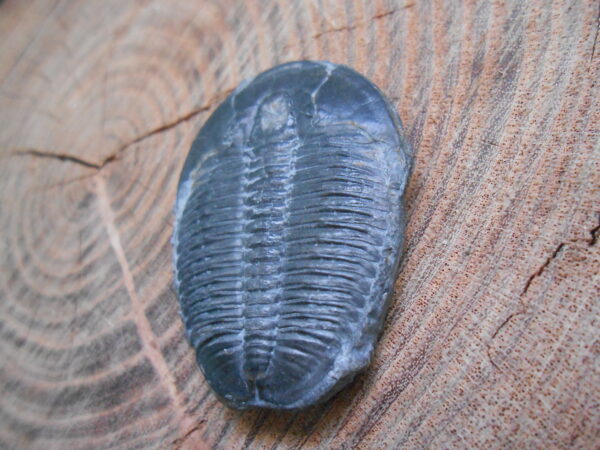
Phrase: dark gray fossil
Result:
[288,234]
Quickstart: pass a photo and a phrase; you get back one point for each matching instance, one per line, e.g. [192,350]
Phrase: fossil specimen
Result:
[289,228]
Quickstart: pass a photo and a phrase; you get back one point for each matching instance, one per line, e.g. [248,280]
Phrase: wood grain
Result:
[492,338]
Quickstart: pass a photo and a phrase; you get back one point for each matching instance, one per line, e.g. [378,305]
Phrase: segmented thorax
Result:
[288,236]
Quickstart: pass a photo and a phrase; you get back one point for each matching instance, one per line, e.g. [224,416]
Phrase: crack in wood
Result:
[335,30]
[157,130]
[58,156]
[38,153]
[543,267]
[179,442]
[559,248]
[359,24]
[594,233]
[504,323]
[596,35]
[496,366]
[196,442]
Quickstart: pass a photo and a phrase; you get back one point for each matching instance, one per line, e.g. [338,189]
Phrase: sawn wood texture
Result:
[492,339]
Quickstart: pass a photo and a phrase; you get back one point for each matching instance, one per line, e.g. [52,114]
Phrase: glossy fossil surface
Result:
[289,227]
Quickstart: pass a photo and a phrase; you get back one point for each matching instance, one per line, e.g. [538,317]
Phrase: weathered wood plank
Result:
[492,338]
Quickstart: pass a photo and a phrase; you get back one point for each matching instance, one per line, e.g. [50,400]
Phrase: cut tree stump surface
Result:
[492,339]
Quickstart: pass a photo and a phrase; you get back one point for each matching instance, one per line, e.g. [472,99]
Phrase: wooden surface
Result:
[493,336]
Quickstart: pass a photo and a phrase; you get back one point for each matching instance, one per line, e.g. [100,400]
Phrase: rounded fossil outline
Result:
[245,182]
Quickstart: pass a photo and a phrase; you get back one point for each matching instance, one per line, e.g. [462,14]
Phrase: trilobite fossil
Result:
[288,234]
